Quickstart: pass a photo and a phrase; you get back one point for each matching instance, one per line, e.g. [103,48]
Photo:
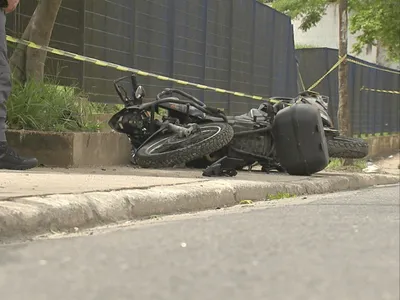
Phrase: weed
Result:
[246,202]
[279,196]
[304,46]
[47,106]
[337,164]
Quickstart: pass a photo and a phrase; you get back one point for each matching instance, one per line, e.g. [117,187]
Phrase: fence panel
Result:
[153,41]
[239,45]
[218,51]
[108,36]
[371,112]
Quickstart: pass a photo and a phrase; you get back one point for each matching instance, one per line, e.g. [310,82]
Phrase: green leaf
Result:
[371,20]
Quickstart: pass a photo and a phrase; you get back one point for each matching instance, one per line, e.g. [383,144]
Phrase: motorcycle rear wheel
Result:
[170,150]
[346,147]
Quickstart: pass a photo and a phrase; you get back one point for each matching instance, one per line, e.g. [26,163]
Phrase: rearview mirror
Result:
[140,92]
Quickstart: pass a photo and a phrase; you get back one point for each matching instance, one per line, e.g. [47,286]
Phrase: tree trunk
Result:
[344,109]
[344,121]
[28,63]
[381,58]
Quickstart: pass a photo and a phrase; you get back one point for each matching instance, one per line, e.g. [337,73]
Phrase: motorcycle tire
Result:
[346,147]
[186,149]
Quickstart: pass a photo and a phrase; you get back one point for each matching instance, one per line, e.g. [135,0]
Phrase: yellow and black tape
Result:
[340,61]
[373,67]
[380,91]
[327,73]
[128,69]
[178,81]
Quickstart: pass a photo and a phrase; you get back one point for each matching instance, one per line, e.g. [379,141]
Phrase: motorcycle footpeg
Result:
[217,170]
[225,166]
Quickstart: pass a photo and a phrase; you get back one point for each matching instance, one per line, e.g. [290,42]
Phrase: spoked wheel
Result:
[171,150]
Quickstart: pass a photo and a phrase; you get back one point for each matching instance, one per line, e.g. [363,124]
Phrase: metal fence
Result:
[239,45]
[371,112]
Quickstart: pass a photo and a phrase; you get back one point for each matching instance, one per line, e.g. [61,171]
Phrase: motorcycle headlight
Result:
[128,121]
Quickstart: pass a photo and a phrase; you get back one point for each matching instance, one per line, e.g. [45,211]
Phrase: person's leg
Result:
[9,159]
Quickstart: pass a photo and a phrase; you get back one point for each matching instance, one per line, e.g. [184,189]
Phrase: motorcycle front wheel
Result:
[346,147]
[170,150]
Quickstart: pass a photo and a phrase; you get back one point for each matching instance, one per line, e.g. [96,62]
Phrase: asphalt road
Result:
[341,246]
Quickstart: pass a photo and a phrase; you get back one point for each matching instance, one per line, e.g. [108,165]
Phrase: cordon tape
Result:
[373,67]
[380,91]
[178,81]
[128,69]
[327,73]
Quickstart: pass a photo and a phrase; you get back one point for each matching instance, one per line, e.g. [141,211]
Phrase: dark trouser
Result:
[5,78]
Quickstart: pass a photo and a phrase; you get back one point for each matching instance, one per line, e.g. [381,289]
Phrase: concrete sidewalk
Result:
[44,181]
[61,200]
[13,185]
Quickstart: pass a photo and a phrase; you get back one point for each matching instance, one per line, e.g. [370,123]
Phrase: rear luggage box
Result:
[300,143]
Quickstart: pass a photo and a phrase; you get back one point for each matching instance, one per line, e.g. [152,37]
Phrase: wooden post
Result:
[344,121]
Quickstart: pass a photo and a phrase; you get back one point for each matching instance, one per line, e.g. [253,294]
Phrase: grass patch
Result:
[48,106]
[304,46]
[162,112]
[279,196]
[365,136]
[337,164]
[152,217]
[246,202]
[105,108]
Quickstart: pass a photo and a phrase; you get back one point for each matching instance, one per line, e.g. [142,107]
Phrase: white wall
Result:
[326,34]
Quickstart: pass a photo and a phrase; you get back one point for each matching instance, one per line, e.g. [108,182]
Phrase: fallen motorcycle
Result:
[282,134]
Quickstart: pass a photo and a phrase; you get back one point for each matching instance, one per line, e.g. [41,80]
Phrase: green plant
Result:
[47,106]
[105,108]
[278,196]
[337,164]
[245,202]
[370,20]
[304,46]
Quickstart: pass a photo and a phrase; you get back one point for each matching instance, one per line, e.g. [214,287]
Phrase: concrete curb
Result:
[31,216]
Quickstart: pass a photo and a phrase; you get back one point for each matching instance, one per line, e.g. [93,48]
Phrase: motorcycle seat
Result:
[254,112]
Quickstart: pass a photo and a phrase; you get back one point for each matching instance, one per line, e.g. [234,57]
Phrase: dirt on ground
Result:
[390,164]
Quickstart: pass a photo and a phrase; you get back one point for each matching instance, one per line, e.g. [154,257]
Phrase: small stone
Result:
[183,245]
[66,259]
[42,262]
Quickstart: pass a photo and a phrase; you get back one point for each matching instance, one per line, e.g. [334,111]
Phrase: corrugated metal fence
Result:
[239,45]
[371,112]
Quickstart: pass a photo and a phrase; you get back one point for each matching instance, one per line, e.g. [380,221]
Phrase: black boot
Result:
[9,159]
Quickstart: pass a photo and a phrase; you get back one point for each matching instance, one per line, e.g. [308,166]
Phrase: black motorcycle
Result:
[282,134]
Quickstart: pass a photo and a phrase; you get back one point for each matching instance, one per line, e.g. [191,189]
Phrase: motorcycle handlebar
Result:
[170,92]
[119,88]
[204,109]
